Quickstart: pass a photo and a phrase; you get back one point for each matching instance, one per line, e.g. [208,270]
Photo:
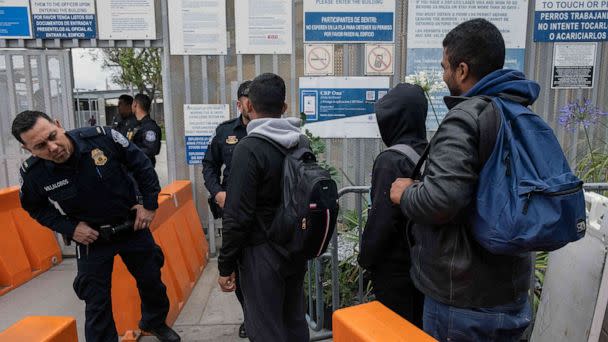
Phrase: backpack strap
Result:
[407,151]
[489,124]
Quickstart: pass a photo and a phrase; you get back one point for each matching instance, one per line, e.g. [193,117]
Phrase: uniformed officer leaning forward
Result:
[76,184]
[219,153]
[144,132]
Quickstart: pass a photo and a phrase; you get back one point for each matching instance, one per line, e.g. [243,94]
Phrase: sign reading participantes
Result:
[201,120]
[263,27]
[15,19]
[319,60]
[127,19]
[349,21]
[197,27]
[342,107]
[573,65]
[379,59]
[571,21]
[64,19]
[425,36]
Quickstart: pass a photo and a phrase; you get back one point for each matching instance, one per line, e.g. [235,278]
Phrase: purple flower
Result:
[582,112]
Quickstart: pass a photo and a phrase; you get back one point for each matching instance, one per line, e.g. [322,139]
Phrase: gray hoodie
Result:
[285,131]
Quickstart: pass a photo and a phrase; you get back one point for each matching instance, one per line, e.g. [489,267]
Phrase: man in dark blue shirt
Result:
[76,183]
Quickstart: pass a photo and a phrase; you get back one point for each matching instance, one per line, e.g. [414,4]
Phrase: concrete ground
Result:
[209,315]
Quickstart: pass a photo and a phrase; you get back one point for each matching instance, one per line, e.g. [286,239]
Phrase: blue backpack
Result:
[528,199]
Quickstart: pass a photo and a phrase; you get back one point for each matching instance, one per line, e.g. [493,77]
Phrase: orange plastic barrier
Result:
[42,329]
[26,248]
[374,322]
[178,231]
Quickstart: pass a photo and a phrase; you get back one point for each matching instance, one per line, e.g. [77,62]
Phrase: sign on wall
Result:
[127,19]
[15,19]
[319,59]
[64,19]
[263,27]
[349,21]
[342,107]
[200,122]
[424,39]
[571,21]
[573,65]
[197,27]
[379,59]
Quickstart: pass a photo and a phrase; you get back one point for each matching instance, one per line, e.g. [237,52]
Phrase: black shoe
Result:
[242,331]
[163,333]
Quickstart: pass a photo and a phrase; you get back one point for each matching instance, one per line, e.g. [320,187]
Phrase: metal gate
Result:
[31,80]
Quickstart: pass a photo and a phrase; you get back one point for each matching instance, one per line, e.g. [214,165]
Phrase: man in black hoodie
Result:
[401,116]
[272,285]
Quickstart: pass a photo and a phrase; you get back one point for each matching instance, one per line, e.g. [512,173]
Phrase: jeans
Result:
[501,323]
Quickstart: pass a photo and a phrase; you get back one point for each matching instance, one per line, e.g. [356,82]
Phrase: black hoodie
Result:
[401,116]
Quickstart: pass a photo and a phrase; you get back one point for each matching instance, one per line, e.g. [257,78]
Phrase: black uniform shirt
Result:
[125,125]
[146,134]
[219,153]
[93,186]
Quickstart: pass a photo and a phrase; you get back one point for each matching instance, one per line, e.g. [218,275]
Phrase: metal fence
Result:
[35,80]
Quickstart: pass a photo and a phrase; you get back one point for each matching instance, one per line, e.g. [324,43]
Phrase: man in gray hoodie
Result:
[272,285]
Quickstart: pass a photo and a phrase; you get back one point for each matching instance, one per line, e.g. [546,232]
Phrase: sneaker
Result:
[163,333]
[242,331]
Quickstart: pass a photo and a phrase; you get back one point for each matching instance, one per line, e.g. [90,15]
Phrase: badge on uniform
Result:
[150,136]
[99,157]
[232,139]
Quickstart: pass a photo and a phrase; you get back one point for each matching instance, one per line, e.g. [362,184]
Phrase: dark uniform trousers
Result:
[273,293]
[143,259]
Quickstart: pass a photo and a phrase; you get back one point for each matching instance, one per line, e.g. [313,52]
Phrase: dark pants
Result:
[273,290]
[501,323]
[238,292]
[395,290]
[143,259]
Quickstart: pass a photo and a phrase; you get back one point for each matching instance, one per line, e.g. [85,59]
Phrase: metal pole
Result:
[167,98]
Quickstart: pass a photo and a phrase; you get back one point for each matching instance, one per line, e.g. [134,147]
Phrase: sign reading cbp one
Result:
[571,21]
[349,21]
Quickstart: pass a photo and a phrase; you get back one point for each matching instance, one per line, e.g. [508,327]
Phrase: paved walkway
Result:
[209,315]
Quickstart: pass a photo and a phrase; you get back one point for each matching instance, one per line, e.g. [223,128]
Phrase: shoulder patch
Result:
[119,138]
[150,136]
[28,163]
[91,132]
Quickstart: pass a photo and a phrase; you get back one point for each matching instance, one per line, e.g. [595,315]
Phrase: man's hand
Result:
[84,235]
[227,284]
[220,198]
[144,217]
[398,188]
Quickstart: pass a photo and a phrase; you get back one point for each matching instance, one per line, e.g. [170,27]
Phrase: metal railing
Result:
[316,309]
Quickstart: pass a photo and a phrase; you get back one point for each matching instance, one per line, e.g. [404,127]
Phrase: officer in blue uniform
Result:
[141,129]
[219,153]
[76,183]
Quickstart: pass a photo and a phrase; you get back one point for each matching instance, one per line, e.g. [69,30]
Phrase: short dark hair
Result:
[267,95]
[243,90]
[127,99]
[144,101]
[25,120]
[479,44]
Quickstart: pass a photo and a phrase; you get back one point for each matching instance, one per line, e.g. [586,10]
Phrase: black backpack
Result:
[306,218]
